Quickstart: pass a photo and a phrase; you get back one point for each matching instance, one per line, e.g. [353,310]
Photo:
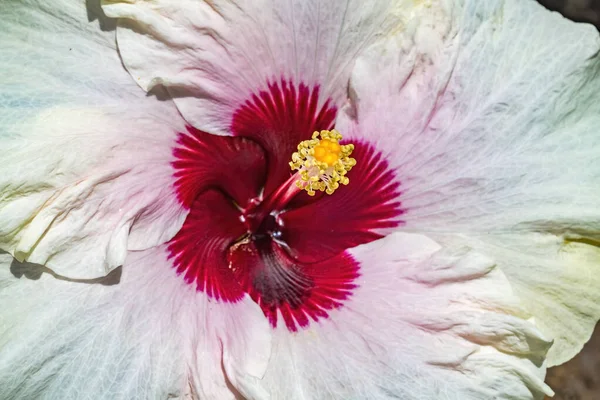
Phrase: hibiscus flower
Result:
[295,200]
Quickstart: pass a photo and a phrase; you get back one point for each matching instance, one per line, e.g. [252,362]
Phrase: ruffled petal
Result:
[211,55]
[85,171]
[489,118]
[424,323]
[145,334]
[555,277]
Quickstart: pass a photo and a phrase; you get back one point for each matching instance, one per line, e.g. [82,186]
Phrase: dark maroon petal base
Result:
[290,257]
[279,284]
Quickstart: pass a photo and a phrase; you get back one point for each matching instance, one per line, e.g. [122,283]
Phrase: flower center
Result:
[256,230]
[323,163]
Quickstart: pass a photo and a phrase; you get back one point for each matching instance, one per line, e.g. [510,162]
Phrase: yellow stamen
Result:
[322,163]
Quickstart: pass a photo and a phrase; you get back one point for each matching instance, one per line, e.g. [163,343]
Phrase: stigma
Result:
[322,162]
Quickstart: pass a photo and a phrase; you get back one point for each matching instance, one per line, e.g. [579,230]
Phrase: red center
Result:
[245,233]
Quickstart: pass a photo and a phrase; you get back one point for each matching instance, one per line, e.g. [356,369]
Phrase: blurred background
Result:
[579,379]
[578,10]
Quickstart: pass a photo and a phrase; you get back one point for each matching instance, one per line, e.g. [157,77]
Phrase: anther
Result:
[322,162]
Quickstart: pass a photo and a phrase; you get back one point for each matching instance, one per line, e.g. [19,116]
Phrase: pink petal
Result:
[423,323]
[144,335]
[491,124]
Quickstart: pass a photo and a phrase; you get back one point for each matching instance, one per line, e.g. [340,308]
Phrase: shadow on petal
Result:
[94,12]
[34,272]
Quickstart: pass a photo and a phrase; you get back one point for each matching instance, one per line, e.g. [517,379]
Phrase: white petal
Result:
[493,130]
[557,280]
[151,336]
[424,323]
[212,55]
[85,168]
